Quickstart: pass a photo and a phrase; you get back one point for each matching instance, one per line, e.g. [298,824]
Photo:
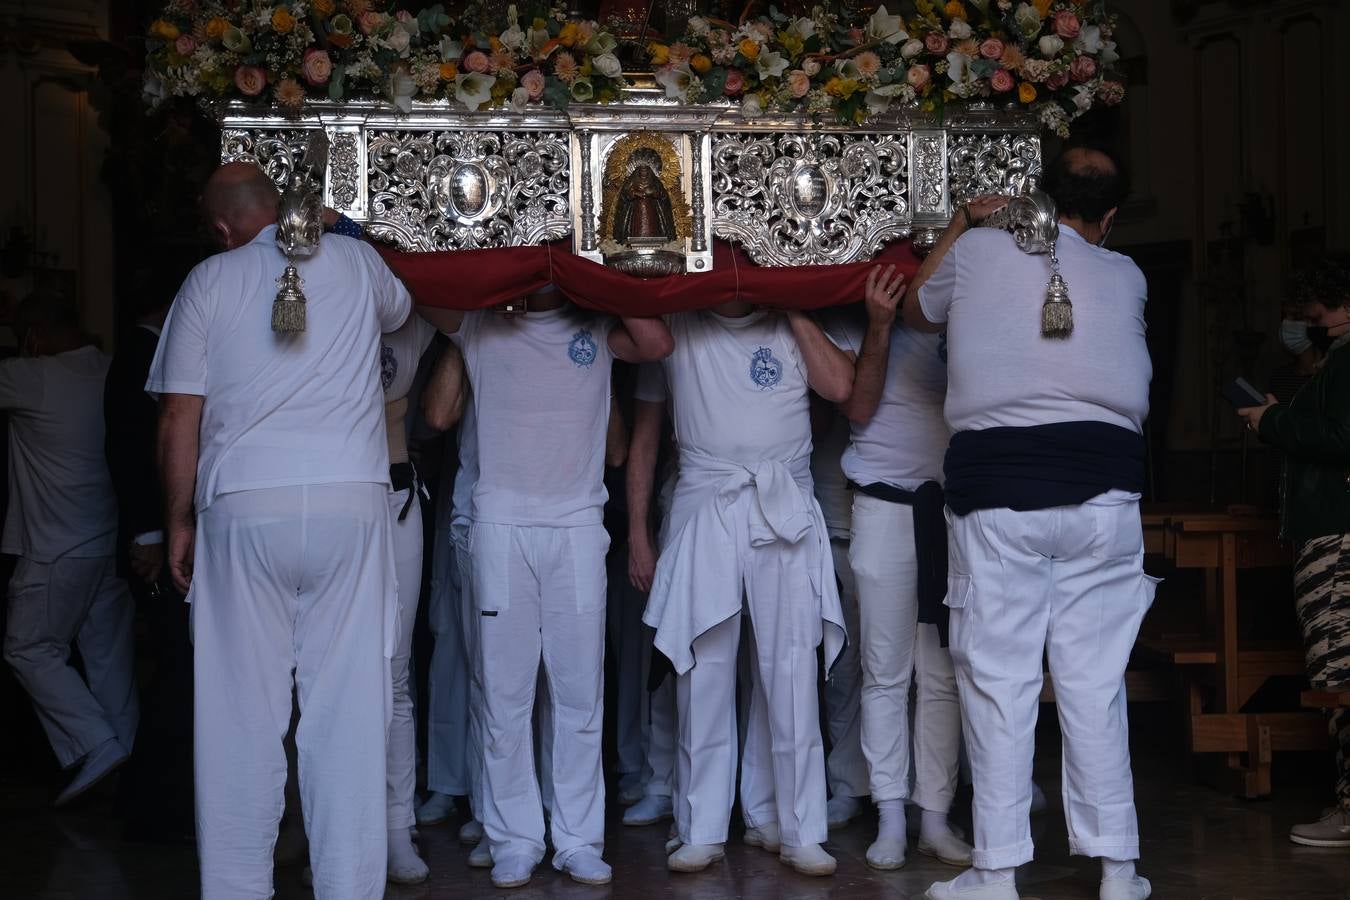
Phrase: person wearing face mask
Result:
[1313,431]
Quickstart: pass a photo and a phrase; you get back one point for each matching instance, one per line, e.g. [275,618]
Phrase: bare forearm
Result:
[869,375]
[913,315]
[443,395]
[641,473]
[828,369]
[179,425]
[616,437]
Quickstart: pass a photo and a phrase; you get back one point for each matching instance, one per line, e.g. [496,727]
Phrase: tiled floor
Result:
[1198,845]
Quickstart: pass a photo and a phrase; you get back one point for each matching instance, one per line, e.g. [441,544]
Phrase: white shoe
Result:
[437,809]
[996,890]
[632,794]
[586,867]
[98,764]
[405,866]
[695,857]
[480,857]
[471,832]
[886,854]
[839,811]
[947,848]
[1136,888]
[649,811]
[765,837]
[512,872]
[810,859]
[673,841]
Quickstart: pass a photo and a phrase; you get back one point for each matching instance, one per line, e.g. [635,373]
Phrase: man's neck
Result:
[736,309]
[545,302]
[1089,231]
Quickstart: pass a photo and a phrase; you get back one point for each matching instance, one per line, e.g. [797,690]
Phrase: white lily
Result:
[848,68]
[675,80]
[879,99]
[802,28]
[1109,55]
[401,89]
[1027,19]
[958,70]
[451,49]
[1082,97]
[770,65]
[520,100]
[884,27]
[474,90]
[602,43]
[1089,40]
[608,65]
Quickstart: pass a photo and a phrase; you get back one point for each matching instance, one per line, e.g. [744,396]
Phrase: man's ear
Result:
[1108,220]
[221,232]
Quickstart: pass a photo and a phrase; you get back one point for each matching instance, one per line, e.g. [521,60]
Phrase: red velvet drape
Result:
[476,279]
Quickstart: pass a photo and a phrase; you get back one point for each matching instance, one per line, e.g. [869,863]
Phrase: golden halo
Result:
[617,170]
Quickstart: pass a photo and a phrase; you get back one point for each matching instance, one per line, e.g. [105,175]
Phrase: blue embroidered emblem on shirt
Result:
[582,350]
[388,366]
[942,346]
[765,370]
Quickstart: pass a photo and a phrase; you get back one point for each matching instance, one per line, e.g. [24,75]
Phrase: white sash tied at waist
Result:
[699,583]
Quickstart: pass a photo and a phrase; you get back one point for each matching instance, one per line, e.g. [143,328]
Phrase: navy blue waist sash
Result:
[1041,466]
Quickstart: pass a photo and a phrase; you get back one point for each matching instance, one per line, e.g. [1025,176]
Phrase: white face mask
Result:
[1294,336]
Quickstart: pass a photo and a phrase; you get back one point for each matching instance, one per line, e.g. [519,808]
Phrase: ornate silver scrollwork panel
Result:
[462,190]
[810,198]
[346,172]
[277,151]
[991,163]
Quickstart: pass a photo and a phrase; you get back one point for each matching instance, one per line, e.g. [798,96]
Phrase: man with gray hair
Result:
[276,471]
[62,525]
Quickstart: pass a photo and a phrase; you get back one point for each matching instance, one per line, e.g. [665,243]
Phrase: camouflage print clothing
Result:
[1322,601]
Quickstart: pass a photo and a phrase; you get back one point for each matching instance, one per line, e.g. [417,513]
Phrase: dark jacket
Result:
[132,419]
[1313,430]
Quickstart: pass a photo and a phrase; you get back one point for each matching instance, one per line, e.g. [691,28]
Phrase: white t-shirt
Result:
[61,500]
[283,409]
[541,408]
[904,443]
[1002,372]
[738,387]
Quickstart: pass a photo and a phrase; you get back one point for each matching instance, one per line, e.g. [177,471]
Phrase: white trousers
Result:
[448,675]
[845,765]
[540,595]
[783,770]
[468,613]
[293,582]
[894,651]
[1066,584]
[401,762]
[81,602]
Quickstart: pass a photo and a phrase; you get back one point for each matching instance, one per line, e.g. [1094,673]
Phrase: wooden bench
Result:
[1325,699]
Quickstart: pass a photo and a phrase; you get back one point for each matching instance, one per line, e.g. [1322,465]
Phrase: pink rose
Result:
[1111,92]
[992,48]
[1057,81]
[403,16]
[476,61]
[735,82]
[533,81]
[1067,25]
[935,42]
[1002,81]
[918,76]
[317,67]
[370,21]
[1083,68]
[857,36]
[250,80]
[799,83]
[186,45]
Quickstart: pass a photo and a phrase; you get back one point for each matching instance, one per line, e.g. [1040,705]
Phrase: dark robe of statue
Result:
[643,214]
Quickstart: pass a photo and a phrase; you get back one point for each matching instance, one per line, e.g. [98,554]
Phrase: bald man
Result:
[276,473]
[1043,477]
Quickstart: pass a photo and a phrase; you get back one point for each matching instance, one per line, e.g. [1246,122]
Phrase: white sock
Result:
[1117,868]
[892,824]
[402,853]
[973,877]
[933,825]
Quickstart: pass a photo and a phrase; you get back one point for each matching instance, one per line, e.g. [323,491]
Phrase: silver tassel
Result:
[288,309]
[1057,311]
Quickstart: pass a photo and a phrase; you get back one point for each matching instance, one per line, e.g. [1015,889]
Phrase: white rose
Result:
[1050,45]
[751,106]
[811,66]
[911,49]
[608,65]
[699,25]
[960,30]
[1082,97]
[513,38]
[398,41]
[520,99]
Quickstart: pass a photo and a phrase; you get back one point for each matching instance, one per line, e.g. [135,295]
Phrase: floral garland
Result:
[1052,57]
[299,50]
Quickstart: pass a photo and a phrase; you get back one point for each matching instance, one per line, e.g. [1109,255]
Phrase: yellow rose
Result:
[215,28]
[448,71]
[163,29]
[323,7]
[1042,7]
[749,49]
[1026,92]
[282,20]
[659,53]
[955,9]
[569,34]
[700,63]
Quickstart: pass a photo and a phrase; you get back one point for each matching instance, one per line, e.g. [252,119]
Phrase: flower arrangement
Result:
[1052,57]
[290,51]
